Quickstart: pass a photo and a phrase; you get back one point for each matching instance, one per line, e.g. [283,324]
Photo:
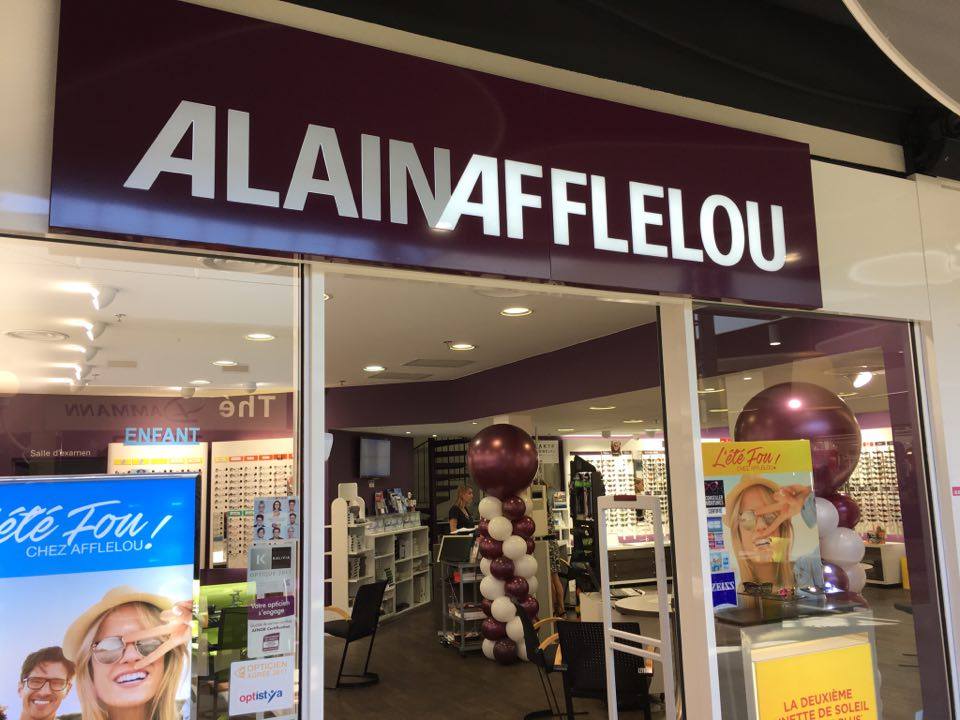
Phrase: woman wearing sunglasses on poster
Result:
[759,513]
[130,651]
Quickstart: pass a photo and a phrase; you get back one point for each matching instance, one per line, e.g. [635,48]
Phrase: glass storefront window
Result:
[829,540]
[172,379]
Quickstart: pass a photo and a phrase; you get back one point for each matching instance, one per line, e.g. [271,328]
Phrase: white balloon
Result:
[491,588]
[490,508]
[525,567]
[515,629]
[827,516]
[533,584]
[485,566]
[842,547]
[857,577]
[503,609]
[500,528]
[487,647]
[514,547]
[522,651]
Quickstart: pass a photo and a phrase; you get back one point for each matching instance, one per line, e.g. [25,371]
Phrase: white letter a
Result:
[200,166]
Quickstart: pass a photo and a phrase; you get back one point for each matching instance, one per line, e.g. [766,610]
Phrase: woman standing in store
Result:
[459,514]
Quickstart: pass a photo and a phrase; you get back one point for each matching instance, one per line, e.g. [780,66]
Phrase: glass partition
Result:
[818,513]
[156,394]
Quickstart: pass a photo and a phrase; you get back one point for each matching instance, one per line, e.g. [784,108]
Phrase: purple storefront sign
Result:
[181,123]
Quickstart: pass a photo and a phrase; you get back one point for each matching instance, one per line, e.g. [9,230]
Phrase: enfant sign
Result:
[184,134]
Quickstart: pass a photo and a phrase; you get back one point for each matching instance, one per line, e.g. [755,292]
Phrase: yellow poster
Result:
[831,678]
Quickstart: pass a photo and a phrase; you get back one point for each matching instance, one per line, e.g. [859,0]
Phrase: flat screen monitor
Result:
[374,458]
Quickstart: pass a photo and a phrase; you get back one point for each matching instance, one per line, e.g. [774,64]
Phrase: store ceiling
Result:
[171,318]
[721,399]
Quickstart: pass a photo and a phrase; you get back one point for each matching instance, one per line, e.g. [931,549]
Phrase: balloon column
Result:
[502,460]
[804,411]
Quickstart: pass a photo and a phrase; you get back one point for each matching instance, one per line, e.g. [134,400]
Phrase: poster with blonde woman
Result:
[761,495]
[98,572]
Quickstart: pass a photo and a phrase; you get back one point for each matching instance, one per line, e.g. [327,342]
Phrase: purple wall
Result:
[344,466]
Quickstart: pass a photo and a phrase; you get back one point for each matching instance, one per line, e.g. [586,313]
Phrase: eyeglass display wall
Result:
[243,470]
[874,487]
[141,459]
[621,474]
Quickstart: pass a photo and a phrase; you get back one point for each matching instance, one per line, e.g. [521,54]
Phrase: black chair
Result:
[546,662]
[585,675]
[361,624]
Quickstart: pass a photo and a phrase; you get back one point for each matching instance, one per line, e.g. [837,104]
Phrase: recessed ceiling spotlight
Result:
[434,436]
[259,337]
[603,407]
[37,335]
[460,346]
[565,429]
[243,266]
[225,363]
[407,432]
[474,423]
[718,410]
[515,312]
[374,368]
[747,377]
[199,382]
[710,390]
[628,422]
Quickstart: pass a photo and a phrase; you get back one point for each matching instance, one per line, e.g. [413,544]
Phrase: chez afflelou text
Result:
[476,193]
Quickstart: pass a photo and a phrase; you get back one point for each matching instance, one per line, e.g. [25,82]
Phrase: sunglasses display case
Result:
[875,488]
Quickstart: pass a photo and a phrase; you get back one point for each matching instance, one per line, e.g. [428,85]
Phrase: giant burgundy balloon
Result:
[490,548]
[530,546]
[505,652]
[834,578]
[502,460]
[804,411]
[501,568]
[518,588]
[493,629]
[530,606]
[847,509]
[525,527]
[514,507]
[482,527]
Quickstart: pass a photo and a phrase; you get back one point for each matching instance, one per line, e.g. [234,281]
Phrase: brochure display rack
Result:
[393,547]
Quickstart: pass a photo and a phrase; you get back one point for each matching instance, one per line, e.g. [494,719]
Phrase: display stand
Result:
[460,623]
[363,549]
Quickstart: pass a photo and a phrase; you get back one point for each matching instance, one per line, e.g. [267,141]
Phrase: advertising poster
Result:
[769,537]
[276,518]
[96,588]
[272,621]
[830,678]
[261,685]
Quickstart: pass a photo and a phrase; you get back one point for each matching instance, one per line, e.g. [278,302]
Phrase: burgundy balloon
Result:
[525,527]
[835,578]
[530,546]
[501,568]
[483,527]
[514,507]
[804,411]
[493,629]
[487,607]
[505,652]
[518,587]
[530,606]
[847,509]
[490,548]
[502,460]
